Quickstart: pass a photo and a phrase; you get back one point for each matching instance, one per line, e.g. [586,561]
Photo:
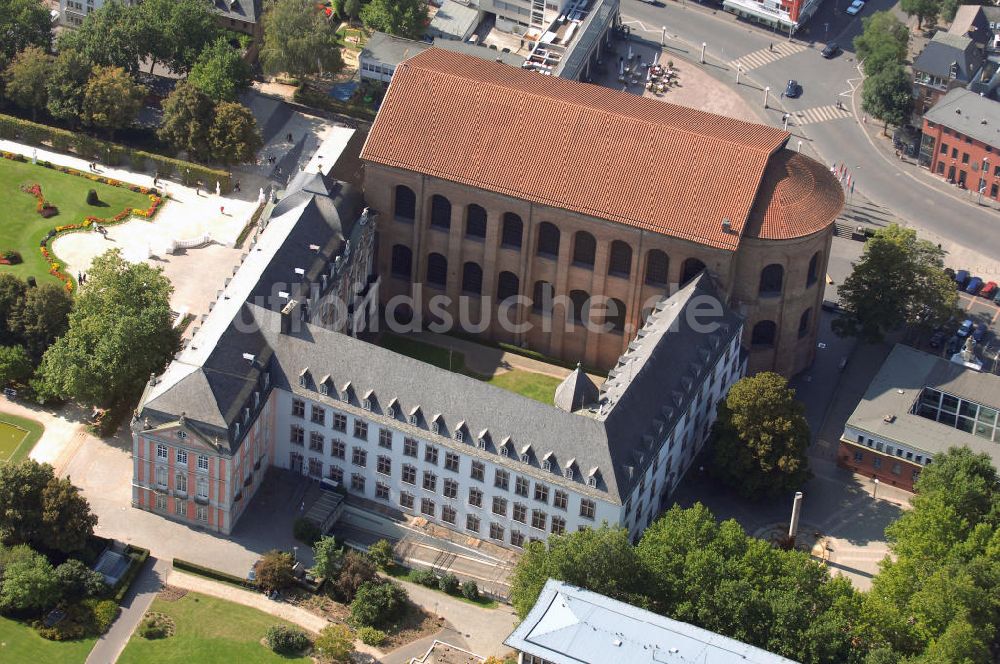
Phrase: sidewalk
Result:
[65,431]
[142,593]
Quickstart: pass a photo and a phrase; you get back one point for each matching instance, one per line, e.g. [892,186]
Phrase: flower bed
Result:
[55,265]
[43,207]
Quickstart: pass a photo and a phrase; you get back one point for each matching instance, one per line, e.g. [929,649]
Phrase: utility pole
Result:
[793,526]
[703,45]
[766,91]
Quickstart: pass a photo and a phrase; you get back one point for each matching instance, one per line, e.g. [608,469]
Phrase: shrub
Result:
[153,627]
[306,531]
[371,636]
[355,571]
[424,577]
[381,554]
[77,581]
[470,590]
[449,584]
[92,198]
[335,643]
[378,603]
[274,571]
[286,640]
[102,614]
[138,161]
[12,257]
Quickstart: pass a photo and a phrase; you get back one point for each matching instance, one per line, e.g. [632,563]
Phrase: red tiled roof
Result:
[798,197]
[600,152]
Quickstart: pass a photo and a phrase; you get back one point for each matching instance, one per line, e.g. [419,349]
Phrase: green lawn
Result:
[17,436]
[208,631]
[22,228]
[21,643]
[526,383]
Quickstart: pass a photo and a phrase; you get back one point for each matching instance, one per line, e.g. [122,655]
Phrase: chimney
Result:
[288,313]
[727,225]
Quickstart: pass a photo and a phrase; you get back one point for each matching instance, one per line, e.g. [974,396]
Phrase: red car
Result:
[989,290]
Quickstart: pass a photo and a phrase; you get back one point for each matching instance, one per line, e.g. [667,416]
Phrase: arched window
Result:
[437,270]
[580,303]
[692,268]
[511,231]
[620,260]
[770,280]
[508,285]
[813,274]
[548,240]
[402,261]
[804,322]
[475,222]
[440,212]
[657,268]
[584,249]
[615,315]
[472,279]
[541,297]
[763,334]
[406,203]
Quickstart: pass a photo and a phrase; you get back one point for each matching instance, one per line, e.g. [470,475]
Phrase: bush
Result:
[102,613]
[286,640]
[424,577]
[154,627]
[355,571]
[449,584]
[12,257]
[77,581]
[378,603]
[92,198]
[306,531]
[335,643]
[138,557]
[371,636]
[381,554]
[274,571]
[470,590]
[138,161]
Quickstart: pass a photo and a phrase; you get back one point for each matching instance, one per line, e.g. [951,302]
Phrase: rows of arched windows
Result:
[764,333]
[772,277]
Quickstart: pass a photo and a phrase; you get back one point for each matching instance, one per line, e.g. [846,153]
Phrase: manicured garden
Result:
[22,227]
[19,642]
[206,630]
[17,436]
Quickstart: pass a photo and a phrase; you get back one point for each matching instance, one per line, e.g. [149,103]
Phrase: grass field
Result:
[207,631]
[22,228]
[21,643]
[17,436]
[526,383]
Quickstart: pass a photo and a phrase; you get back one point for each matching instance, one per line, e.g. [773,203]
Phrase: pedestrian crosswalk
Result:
[819,114]
[768,55]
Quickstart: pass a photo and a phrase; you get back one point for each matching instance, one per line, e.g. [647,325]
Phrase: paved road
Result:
[829,134]
[142,593]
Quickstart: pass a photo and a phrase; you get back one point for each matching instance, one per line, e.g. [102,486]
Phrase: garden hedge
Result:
[138,557]
[208,572]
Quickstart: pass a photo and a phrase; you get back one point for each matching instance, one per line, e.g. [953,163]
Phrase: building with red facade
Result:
[961,141]
[918,406]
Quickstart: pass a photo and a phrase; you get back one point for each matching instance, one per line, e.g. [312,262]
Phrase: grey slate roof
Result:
[896,388]
[576,391]
[392,50]
[968,113]
[248,11]
[570,625]
[944,49]
[453,20]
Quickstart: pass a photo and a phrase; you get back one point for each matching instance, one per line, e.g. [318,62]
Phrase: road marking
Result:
[820,114]
[766,56]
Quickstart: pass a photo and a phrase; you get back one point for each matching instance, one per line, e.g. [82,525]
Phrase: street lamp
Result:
[703,45]
[663,36]
[982,180]
[739,70]
[800,147]
[766,90]
[784,121]
[874,488]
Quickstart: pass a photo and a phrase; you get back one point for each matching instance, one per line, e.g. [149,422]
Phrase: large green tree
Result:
[119,333]
[29,584]
[898,281]
[11,292]
[42,510]
[27,79]
[66,516]
[299,39]
[114,35]
[188,114]
[234,137]
[883,41]
[404,18]
[328,556]
[760,437]
[220,71]
[111,99]
[41,317]
[15,365]
[887,96]
[70,72]
[924,10]
[23,23]
[178,30]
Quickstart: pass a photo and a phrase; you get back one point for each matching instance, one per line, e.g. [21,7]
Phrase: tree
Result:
[334,644]
[120,330]
[600,559]
[23,23]
[77,581]
[42,316]
[299,39]
[11,292]
[220,71]
[378,603]
[27,79]
[924,10]
[114,35]
[883,41]
[356,571]
[921,293]
[29,584]
[68,79]
[887,96]
[15,365]
[233,136]
[21,505]
[188,114]
[404,18]
[761,436]
[327,558]
[111,100]
[66,517]
[179,30]
[351,9]
[381,554]
[274,571]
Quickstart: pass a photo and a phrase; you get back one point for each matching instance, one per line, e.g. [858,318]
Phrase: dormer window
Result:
[391,411]
[304,378]
[267,380]
[525,458]
[256,400]
[459,435]
[482,443]
[546,465]
[435,426]
[568,473]
[366,404]
[236,432]
[324,389]
[592,481]
[246,415]
[504,452]
[414,420]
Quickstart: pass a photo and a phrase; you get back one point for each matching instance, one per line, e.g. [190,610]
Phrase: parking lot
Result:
[980,311]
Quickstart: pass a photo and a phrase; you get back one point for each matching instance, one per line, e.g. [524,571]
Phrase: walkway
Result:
[142,593]
[65,431]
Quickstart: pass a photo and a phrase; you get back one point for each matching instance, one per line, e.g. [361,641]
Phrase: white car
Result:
[855,8]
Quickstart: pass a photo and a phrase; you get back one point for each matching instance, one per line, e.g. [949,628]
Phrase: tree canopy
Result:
[234,137]
[178,30]
[69,75]
[882,42]
[114,35]
[220,71]
[760,437]
[404,18]
[120,332]
[111,99]
[898,281]
[188,113]
[299,39]
[41,510]
[23,23]
[887,96]
[926,11]
[27,79]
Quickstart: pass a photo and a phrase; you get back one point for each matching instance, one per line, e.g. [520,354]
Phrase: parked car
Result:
[830,50]
[974,285]
[989,290]
[996,298]
[936,339]
[979,332]
[954,345]
[855,8]
[965,328]
[961,278]
[793,89]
